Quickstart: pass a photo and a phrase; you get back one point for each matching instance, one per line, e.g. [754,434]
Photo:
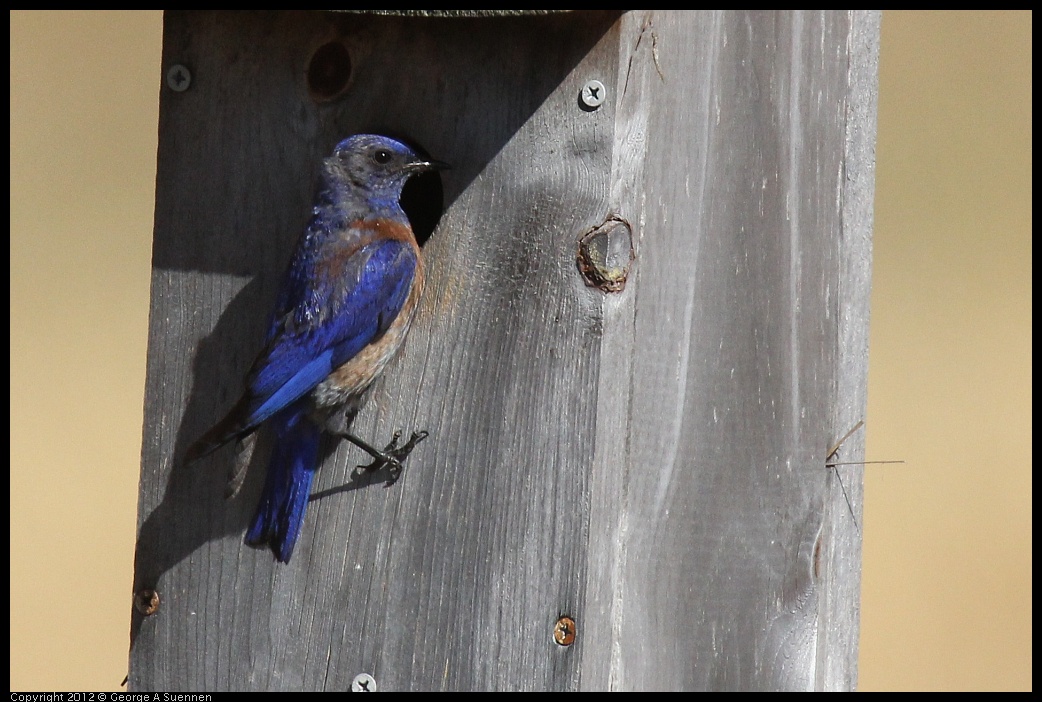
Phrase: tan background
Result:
[947,567]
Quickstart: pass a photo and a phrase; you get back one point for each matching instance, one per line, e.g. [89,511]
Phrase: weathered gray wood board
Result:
[649,461]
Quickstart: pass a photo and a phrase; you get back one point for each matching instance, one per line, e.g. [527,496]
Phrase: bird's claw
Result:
[393,455]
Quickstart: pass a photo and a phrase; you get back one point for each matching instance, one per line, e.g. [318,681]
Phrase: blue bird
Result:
[342,313]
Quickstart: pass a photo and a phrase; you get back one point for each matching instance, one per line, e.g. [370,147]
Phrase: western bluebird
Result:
[342,312]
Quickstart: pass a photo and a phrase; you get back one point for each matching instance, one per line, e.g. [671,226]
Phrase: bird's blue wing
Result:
[360,305]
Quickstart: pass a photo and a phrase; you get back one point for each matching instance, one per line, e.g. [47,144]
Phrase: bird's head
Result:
[377,164]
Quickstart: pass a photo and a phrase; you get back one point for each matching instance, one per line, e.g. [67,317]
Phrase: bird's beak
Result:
[429,165]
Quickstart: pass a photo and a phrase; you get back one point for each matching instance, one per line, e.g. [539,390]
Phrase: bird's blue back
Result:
[329,323]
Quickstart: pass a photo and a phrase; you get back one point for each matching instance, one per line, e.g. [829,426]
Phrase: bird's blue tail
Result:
[294,459]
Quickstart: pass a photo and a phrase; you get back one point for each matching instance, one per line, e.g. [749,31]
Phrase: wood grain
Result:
[649,462]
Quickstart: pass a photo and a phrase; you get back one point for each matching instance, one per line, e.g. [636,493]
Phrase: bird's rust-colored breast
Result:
[357,374]
[359,234]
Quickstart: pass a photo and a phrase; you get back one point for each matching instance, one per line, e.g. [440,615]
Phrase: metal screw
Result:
[363,682]
[147,602]
[178,78]
[593,94]
[564,631]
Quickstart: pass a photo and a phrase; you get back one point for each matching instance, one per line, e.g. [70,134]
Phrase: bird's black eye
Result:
[382,156]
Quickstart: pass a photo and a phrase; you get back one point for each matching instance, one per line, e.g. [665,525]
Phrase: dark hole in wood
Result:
[329,71]
[423,200]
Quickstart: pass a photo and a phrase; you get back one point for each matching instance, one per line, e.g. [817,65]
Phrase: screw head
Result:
[363,682]
[146,601]
[564,631]
[593,94]
[178,77]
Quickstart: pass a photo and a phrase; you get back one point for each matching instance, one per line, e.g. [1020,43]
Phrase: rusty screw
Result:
[146,601]
[564,631]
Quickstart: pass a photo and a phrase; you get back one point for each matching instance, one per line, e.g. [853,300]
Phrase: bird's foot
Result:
[393,456]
